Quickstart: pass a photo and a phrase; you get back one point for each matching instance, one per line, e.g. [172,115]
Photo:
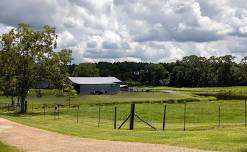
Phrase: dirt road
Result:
[32,139]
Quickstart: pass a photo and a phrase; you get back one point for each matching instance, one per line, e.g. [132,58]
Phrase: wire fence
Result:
[161,116]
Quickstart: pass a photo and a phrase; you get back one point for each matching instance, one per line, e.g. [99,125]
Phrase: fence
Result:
[148,116]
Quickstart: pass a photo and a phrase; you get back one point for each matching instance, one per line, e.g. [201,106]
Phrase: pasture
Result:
[204,128]
[236,90]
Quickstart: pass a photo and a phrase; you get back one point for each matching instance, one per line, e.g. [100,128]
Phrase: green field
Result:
[123,97]
[5,148]
[240,90]
[202,119]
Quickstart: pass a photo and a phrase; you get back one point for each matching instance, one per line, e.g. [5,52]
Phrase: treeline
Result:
[191,71]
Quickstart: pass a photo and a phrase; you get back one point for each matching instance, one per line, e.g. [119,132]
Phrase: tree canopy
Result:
[27,57]
[86,70]
[191,71]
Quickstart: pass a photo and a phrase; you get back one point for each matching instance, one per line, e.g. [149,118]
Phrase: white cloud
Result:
[136,30]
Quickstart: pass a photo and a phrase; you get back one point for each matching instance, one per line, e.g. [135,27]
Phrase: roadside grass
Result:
[202,129]
[5,148]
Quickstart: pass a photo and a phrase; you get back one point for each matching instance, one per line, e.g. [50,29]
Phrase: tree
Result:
[243,71]
[27,56]
[70,92]
[177,76]
[196,70]
[224,70]
[58,73]
[86,70]
[154,74]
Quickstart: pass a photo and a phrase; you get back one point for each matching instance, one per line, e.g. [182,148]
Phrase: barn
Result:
[96,85]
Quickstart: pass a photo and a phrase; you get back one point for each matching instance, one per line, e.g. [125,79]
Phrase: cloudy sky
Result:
[136,30]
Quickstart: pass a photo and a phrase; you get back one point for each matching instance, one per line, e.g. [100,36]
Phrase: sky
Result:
[136,30]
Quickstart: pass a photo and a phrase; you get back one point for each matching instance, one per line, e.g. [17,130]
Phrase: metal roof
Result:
[94,80]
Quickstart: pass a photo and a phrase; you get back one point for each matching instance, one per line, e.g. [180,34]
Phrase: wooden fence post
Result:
[219,115]
[99,116]
[132,116]
[32,105]
[115,117]
[164,119]
[77,114]
[58,112]
[245,113]
[55,109]
[44,111]
[184,115]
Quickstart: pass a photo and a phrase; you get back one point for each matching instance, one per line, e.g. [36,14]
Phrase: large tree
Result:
[28,57]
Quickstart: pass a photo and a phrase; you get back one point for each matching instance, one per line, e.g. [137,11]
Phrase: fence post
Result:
[77,114]
[245,113]
[44,111]
[32,105]
[58,112]
[55,112]
[115,117]
[219,115]
[164,119]
[132,116]
[185,115]
[99,116]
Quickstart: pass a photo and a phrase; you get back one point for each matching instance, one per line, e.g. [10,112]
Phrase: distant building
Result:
[96,85]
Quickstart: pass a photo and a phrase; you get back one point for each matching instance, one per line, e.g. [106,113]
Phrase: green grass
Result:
[123,97]
[202,129]
[238,90]
[202,124]
[5,148]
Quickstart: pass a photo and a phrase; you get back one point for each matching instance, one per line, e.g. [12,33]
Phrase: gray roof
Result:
[94,80]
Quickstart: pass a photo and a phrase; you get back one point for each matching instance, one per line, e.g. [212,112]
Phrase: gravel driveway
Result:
[32,139]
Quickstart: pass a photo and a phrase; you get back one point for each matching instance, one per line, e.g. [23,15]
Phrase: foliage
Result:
[154,74]
[27,57]
[86,70]
[70,92]
[191,71]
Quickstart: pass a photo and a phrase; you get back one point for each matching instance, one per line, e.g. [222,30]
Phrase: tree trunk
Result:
[23,98]
[12,100]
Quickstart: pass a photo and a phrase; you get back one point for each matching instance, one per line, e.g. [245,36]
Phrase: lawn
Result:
[5,148]
[202,130]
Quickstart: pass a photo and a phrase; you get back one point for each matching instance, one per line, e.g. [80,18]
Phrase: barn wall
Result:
[109,88]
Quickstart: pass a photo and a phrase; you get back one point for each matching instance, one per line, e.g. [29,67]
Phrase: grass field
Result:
[202,129]
[5,148]
[240,90]
[202,117]
[123,97]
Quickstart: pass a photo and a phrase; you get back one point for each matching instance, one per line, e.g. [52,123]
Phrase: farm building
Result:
[96,85]
[124,88]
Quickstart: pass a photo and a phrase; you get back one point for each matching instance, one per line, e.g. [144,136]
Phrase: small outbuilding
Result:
[96,85]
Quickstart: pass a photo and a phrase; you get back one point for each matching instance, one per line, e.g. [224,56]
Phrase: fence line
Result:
[183,116]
